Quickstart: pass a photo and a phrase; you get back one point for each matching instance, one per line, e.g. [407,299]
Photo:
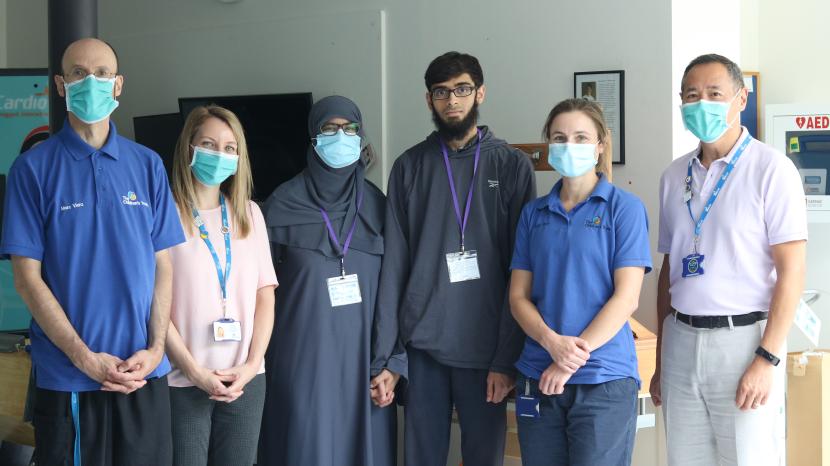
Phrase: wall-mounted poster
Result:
[607,88]
[24,122]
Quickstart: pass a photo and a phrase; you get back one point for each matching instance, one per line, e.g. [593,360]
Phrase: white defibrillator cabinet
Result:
[802,132]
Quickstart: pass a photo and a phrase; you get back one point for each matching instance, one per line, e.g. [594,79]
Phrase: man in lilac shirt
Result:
[733,232]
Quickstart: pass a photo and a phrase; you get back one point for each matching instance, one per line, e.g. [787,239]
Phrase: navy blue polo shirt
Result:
[94,219]
[573,258]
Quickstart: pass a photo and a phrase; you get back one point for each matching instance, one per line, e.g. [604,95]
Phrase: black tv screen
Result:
[160,133]
[276,129]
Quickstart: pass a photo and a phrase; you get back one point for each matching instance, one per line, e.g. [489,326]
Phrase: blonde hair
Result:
[236,189]
[593,111]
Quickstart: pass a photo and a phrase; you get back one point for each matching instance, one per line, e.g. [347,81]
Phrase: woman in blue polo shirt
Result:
[578,265]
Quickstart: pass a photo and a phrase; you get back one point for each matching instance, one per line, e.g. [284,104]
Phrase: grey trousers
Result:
[701,369]
[207,432]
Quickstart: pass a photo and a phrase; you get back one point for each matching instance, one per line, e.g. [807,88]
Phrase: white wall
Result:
[792,51]
[696,30]
[750,35]
[26,36]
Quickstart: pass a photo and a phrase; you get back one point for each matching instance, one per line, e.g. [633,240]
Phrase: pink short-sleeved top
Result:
[197,297]
[762,204]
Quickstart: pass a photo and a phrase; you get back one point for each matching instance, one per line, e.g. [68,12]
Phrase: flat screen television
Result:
[160,133]
[276,129]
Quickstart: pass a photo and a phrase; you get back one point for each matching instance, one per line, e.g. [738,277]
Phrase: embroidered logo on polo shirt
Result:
[596,222]
[493,183]
[132,199]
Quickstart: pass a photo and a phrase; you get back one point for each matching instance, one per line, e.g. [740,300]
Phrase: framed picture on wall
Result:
[607,88]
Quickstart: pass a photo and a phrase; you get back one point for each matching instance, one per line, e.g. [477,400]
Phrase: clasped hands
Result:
[569,354]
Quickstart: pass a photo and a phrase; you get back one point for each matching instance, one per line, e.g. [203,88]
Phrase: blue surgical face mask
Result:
[572,160]
[706,119]
[211,167]
[338,150]
[90,99]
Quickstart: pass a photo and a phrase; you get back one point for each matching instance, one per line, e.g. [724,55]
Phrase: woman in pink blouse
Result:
[222,312]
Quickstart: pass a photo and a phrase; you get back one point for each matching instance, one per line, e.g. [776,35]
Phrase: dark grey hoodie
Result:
[466,324]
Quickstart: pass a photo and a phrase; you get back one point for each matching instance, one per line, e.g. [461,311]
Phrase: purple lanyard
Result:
[462,223]
[345,249]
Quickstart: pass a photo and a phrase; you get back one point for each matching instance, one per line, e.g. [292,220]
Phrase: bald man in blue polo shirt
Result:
[88,221]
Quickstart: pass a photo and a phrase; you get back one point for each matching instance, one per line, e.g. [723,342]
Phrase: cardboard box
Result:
[645,342]
[808,409]
[14,373]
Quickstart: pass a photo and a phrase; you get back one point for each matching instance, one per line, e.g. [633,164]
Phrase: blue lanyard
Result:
[226,232]
[714,196]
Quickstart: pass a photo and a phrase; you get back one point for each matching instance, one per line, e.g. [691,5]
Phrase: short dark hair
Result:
[450,65]
[731,67]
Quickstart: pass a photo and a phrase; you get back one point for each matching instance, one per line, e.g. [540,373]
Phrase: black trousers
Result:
[116,429]
[432,391]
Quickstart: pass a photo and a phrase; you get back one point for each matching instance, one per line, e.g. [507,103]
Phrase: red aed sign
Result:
[813,122]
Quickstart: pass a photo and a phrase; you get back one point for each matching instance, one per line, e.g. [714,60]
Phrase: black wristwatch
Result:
[771,358]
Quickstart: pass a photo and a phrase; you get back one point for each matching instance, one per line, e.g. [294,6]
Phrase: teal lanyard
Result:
[203,233]
[76,420]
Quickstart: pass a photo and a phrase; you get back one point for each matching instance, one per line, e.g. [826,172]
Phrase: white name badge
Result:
[227,330]
[463,266]
[344,290]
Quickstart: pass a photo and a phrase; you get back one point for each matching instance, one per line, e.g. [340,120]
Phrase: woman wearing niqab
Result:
[333,359]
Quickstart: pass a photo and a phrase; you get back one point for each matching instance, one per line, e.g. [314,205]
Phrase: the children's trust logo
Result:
[596,222]
[132,199]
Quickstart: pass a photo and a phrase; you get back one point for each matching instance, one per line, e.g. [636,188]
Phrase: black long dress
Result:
[318,410]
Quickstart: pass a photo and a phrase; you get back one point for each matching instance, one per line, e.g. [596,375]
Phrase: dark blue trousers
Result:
[432,392]
[587,425]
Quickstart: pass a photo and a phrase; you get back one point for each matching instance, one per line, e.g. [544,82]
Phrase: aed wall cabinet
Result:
[802,132]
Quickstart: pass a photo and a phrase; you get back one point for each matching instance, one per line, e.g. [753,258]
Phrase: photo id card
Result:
[693,265]
[463,266]
[344,290]
[527,406]
[227,330]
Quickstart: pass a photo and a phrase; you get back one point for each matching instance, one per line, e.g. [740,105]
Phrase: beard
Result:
[457,129]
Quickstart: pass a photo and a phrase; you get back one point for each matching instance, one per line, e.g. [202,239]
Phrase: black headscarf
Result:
[292,211]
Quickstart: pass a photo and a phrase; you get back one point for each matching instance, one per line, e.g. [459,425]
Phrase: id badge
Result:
[227,330]
[463,266]
[344,290]
[527,406]
[693,265]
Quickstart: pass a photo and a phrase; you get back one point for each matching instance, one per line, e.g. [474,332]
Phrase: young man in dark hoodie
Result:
[453,204]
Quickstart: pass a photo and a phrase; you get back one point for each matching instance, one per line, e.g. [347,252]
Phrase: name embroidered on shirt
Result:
[132,199]
[74,205]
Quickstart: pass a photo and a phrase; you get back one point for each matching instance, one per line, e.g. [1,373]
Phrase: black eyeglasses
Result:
[330,129]
[442,93]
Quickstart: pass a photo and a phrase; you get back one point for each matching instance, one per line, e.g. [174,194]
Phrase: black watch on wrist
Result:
[771,358]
